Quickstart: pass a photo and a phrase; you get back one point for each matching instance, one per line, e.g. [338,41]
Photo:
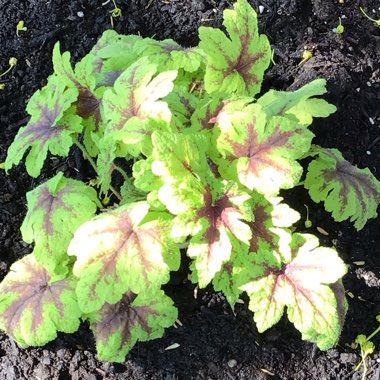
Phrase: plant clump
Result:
[209,157]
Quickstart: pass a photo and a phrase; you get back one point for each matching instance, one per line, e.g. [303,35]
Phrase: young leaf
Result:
[222,219]
[107,59]
[261,152]
[347,191]
[182,104]
[279,103]
[270,216]
[136,94]
[34,304]
[48,129]
[180,160]
[88,102]
[168,55]
[302,285]
[55,210]
[267,236]
[134,318]
[235,64]
[116,253]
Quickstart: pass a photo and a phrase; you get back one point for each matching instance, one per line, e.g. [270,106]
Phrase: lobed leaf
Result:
[305,285]
[347,191]
[235,64]
[180,160]
[55,210]
[49,128]
[116,252]
[88,102]
[136,94]
[222,226]
[35,305]
[168,55]
[299,103]
[136,317]
[109,57]
[261,152]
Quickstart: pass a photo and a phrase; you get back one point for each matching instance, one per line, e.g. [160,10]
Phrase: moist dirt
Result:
[215,342]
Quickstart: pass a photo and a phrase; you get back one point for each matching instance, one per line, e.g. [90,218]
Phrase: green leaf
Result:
[49,128]
[116,253]
[129,193]
[136,317]
[347,191]
[221,225]
[182,104]
[145,179]
[228,278]
[88,103]
[136,95]
[261,152]
[267,236]
[130,107]
[280,103]
[235,64]
[55,210]
[304,284]
[180,160]
[306,109]
[34,305]
[270,217]
[168,55]
[109,57]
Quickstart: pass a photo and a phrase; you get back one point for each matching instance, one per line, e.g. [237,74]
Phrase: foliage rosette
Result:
[209,159]
[35,305]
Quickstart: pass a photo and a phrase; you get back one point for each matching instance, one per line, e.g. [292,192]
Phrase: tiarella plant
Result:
[209,158]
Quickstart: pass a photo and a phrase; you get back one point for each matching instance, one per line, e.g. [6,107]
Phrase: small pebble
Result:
[80,14]
[368,152]
[261,9]
[358,89]
[232,363]
[369,84]
[371,121]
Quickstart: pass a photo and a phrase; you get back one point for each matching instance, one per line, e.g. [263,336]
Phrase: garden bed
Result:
[214,342]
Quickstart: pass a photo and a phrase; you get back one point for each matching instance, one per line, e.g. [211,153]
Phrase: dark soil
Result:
[214,342]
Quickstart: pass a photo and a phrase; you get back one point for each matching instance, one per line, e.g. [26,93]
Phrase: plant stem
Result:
[121,171]
[374,333]
[92,162]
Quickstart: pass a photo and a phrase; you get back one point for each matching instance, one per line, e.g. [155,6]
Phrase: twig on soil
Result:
[377,22]
[150,2]
[374,142]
